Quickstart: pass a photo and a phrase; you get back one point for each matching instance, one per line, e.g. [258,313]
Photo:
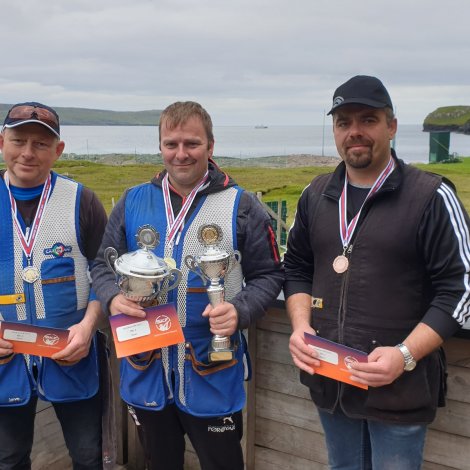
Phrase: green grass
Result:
[448,115]
[109,181]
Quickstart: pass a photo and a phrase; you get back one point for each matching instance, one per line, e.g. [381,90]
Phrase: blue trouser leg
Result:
[358,444]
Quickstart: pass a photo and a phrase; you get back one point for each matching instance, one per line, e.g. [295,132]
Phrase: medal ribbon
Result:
[28,241]
[175,224]
[346,231]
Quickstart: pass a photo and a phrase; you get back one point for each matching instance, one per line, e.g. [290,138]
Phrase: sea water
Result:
[411,143]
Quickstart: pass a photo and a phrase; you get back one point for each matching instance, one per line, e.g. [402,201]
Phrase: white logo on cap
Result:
[337,101]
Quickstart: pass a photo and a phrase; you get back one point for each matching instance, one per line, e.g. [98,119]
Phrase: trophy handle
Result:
[174,278]
[192,265]
[170,282]
[235,259]
[110,256]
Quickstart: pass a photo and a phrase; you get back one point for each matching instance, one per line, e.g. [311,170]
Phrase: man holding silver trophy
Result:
[220,238]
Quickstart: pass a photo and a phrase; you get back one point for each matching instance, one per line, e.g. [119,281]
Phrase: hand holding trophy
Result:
[141,275]
[213,264]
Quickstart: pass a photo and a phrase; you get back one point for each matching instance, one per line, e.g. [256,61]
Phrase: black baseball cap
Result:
[33,112]
[361,89]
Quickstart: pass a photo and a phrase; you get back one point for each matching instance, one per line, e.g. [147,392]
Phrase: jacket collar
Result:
[217,181]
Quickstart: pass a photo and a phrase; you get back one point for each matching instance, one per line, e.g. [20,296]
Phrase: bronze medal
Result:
[30,274]
[340,264]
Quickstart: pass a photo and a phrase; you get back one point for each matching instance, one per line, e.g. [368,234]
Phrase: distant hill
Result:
[449,118]
[98,117]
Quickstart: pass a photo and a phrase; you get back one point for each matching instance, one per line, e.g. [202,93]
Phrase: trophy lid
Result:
[213,253]
[141,263]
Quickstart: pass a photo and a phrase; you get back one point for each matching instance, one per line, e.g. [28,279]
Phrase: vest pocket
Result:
[58,286]
[15,387]
[143,381]
[220,384]
[62,383]
[412,391]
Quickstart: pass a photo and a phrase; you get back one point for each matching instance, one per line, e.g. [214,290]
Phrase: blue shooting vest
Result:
[57,299]
[181,374]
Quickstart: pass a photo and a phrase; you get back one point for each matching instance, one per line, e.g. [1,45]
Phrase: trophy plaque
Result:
[213,264]
[141,275]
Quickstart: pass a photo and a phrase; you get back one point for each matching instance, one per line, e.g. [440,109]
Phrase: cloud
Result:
[246,61]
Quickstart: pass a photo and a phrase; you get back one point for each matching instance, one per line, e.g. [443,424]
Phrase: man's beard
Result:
[359,161]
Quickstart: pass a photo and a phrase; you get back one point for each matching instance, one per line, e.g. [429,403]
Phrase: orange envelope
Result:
[159,328]
[31,339]
[335,359]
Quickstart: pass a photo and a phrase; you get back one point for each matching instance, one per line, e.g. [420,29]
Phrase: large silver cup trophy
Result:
[213,264]
[141,275]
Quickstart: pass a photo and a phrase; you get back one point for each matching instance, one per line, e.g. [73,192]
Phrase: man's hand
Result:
[223,319]
[6,348]
[121,304]
[384,367]
[304,357]
[80,337]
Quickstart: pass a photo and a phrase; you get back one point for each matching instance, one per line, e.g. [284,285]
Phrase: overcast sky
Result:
[246,61]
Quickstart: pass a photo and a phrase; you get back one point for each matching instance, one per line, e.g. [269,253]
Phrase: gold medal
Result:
[30,274]
[340,264]
[170,262]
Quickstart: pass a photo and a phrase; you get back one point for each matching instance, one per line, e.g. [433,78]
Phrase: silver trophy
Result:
[213,264]
[141,275]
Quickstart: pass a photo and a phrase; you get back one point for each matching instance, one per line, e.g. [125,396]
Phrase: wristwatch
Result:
[410,361]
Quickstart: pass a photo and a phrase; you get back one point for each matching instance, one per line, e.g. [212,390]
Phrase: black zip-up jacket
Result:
[409,263]
[261,267]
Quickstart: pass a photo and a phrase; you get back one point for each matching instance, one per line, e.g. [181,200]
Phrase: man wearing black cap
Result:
[378,260]
[50,231]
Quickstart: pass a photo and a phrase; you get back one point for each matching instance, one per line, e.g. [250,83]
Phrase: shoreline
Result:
[275,161]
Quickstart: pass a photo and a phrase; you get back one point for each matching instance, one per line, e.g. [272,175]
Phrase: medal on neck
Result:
[346,231]
[175,224]
[27,240]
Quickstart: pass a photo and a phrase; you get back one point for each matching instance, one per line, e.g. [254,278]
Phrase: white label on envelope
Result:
[16,335]
[132,331]
[326,355]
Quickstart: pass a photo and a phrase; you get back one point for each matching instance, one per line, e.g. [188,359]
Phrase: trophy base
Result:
[221,355]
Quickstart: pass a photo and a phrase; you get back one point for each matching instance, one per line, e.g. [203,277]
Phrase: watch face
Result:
[410,366]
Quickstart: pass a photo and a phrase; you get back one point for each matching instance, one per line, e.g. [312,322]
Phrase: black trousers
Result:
[81,426]
[215,440]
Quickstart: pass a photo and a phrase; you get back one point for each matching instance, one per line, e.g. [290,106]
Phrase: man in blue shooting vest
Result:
[51,228]
[176,391]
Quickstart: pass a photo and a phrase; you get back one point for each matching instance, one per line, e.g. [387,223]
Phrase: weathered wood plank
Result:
[458,351]
[287,409]
[273,346]
[277,315]
[447,449]
[458,384]
[289,439]
[268,459]
[191,462]
[454,418]
[281,378]
[433,466]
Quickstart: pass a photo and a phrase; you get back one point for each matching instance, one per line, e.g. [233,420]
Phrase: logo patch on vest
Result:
[58,250]
[317,302]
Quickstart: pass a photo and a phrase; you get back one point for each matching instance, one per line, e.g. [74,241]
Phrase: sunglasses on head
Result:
[25,112]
